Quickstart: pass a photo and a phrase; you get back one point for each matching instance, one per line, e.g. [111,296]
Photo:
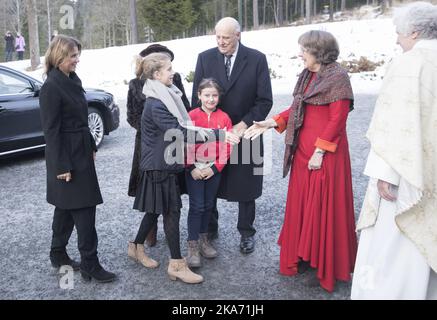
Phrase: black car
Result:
[20,123]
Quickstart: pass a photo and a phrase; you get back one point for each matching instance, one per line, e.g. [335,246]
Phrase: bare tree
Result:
[49,22]
[308,12]
[245,15]
[264,11]
[255,14]
[240,13]
[280,12]
[32,20]
[331,10]
[286,11]
[302,8]
[223,8]
[275,13]
[133,19]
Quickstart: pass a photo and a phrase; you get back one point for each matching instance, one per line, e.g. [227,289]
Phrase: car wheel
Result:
[96,125]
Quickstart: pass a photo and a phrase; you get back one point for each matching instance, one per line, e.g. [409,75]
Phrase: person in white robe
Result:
[397,251]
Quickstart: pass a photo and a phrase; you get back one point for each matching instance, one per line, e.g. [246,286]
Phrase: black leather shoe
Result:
[247,244]
[99,274]
[63,260]
[303,266]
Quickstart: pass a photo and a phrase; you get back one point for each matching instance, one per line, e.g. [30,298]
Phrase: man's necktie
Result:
[228,66]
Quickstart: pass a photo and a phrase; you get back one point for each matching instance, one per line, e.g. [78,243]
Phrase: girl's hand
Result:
[207,173]
[258,128]
[197,174]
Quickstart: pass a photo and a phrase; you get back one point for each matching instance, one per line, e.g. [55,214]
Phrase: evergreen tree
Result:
[169,19]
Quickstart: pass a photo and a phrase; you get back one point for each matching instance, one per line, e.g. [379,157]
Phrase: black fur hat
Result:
[153,48]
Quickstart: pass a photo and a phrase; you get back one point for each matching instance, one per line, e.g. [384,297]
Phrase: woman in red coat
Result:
[319,225]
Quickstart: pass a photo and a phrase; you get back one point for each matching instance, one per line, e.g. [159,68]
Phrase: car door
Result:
[20,123]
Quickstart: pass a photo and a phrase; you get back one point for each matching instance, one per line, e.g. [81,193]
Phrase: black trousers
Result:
[246,217]
[63,223]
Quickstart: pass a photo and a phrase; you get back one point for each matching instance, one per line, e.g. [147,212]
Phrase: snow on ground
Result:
[112,68]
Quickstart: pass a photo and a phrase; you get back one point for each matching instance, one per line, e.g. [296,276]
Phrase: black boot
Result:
[99,274]
[59,259]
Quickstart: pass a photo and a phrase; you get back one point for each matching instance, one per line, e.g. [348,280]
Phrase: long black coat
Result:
[247,97]
[135,106]
[69,144]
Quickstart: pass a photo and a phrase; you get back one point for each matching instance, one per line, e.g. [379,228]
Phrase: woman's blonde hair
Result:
[59,49]
[152,63]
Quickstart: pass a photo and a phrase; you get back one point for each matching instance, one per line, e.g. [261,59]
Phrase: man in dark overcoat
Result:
[243,74]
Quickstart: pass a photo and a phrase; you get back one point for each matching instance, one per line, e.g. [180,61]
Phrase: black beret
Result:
[153,48]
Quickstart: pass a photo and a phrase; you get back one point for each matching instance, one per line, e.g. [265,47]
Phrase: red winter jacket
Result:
[217,151]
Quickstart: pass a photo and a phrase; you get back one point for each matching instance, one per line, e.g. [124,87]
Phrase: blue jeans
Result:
[8,56]
[203,194]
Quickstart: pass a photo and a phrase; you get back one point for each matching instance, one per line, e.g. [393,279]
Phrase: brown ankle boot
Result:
[193,256]
[178,269]
[205,247]
[136,252]
[151,237]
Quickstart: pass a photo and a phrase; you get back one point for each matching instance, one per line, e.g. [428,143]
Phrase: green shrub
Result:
[190,77]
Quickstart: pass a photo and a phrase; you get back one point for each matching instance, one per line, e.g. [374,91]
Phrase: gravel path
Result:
[25,231]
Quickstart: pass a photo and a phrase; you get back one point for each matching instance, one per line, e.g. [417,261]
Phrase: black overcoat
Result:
[69,144]
[247,97]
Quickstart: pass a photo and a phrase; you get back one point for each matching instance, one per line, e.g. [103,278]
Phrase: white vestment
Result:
[388,265]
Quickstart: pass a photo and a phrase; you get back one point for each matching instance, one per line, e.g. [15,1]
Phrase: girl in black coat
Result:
[72,185]
[164,118]
[135,105]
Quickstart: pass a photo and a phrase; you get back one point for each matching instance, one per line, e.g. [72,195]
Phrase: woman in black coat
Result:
[72,185]
[135,106]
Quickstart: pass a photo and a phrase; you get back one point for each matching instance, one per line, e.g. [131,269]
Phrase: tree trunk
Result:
[128,32]
[255,14]
[343,5]
[302,8]
[240,13]
[264,12]
[331,10]
[286,11]
[32,21]
[223,8]
[275,13]
[315,7]
[383,6]
[17,3]
[245,15]
[49,23]
[280,12]
[216,11]
[308,12]
[133,21]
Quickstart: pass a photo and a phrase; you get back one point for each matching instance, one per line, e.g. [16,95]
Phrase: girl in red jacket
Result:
[204,164]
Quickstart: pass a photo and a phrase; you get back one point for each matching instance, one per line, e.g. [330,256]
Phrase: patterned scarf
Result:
[331,84]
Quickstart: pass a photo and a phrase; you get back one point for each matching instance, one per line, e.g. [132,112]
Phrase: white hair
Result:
[228,22]
[420,17]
